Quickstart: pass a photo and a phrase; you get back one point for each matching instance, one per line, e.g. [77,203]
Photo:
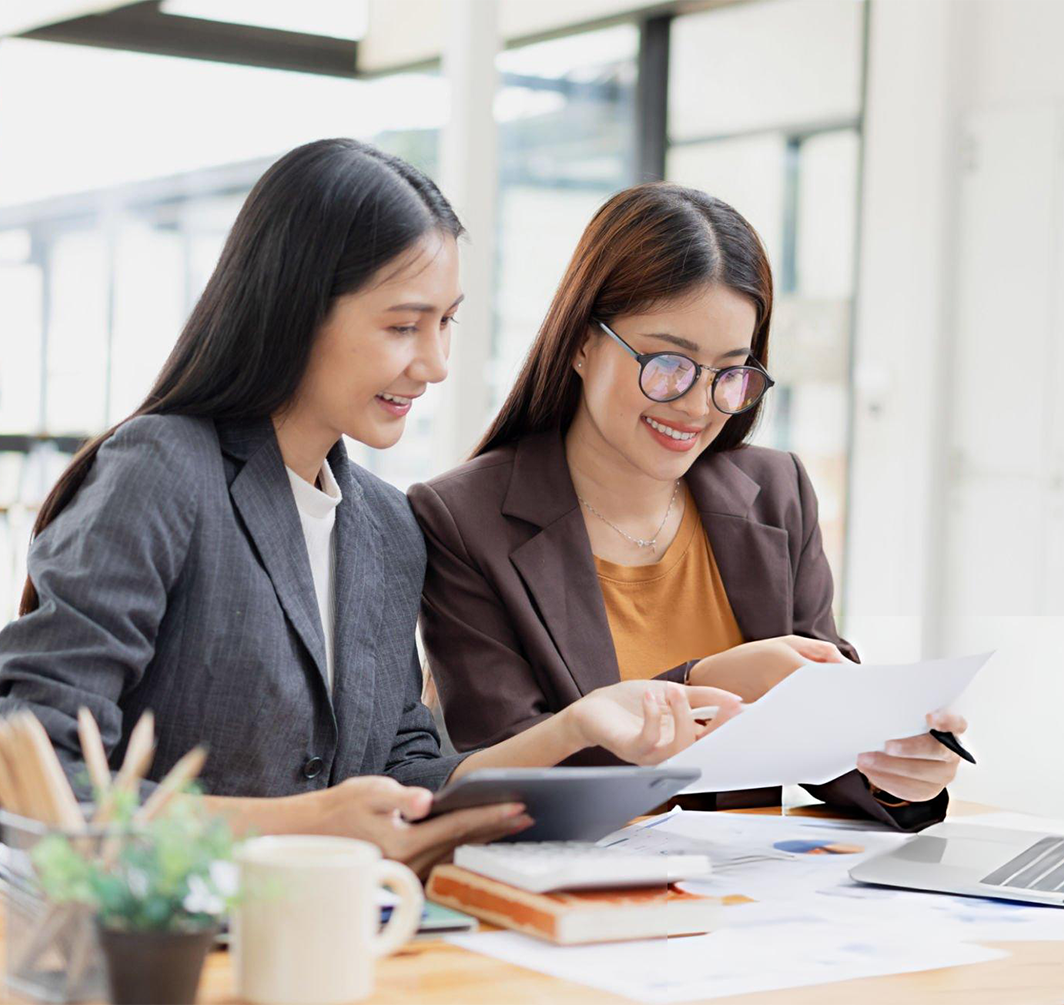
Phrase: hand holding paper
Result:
[812,725]
[916,768]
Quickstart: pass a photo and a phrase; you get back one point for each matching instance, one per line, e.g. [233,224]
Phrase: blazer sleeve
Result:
[488,690]
[415,757]
[103,570]
[813,594]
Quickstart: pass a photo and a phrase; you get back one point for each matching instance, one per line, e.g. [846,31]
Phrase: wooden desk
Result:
[436,973]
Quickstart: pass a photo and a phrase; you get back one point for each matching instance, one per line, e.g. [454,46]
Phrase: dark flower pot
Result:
[162,968]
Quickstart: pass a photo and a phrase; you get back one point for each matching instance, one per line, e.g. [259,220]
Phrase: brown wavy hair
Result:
[646,246]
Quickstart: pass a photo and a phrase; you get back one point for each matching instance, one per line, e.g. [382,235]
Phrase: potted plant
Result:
[157,892]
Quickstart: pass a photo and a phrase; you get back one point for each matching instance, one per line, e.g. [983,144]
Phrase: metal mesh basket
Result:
[52,951]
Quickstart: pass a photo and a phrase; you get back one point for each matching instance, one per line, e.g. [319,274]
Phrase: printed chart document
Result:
[808,923]
[812,725]
[799,866]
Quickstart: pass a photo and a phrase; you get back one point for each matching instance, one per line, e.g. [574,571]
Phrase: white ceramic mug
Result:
[306,928]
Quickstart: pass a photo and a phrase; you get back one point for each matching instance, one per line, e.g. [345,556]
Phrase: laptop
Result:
[974,861]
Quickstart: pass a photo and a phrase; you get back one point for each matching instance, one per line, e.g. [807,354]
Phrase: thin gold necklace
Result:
[640,542]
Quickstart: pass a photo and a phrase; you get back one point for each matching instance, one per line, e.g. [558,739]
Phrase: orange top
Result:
[675,610]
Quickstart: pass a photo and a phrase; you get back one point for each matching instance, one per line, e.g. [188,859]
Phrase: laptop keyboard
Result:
[1040,867]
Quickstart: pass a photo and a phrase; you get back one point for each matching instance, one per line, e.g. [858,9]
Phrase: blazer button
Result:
[313,767]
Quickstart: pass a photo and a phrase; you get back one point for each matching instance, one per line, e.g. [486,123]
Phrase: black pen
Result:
[951,742]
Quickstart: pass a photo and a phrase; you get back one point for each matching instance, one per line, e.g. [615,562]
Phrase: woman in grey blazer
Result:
[218,559]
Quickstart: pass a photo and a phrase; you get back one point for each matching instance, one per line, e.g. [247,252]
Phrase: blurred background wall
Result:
[902,160]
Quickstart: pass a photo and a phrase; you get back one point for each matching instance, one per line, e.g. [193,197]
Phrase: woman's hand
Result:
[645,722]
[917,768]
[753,668]
[380,810]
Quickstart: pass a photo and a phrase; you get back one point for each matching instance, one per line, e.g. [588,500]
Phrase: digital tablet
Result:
[567,804]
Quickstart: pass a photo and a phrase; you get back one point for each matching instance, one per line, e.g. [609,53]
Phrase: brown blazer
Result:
[513,618]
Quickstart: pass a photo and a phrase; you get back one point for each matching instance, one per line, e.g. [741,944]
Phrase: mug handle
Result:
[406,916]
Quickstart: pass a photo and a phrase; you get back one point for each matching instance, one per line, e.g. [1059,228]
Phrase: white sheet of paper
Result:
[1014,821]
[812,725]
[785,952]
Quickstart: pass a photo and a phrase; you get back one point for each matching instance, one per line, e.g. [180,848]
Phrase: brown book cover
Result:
[575,916]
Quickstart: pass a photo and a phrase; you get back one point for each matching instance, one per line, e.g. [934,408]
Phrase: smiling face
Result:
[381,346]
[714,326]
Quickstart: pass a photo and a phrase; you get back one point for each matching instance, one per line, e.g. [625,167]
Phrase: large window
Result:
[764,112]
[120,177]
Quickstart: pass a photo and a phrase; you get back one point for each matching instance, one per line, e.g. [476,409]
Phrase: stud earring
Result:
[578,365]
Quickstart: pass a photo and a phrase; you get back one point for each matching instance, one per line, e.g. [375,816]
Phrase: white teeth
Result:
[396,398]
[668,430]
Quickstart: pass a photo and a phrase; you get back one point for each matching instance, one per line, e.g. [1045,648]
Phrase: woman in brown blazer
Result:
[613,524]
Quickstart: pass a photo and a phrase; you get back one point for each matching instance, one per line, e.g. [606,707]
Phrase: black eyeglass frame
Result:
[643,358]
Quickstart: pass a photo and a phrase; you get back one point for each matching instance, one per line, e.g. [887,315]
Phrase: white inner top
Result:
[317,514]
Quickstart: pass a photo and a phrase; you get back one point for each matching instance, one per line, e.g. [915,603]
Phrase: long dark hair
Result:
[318,224]
[647,245]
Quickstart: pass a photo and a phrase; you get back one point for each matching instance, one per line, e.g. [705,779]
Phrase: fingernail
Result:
[863,760]
[520,823]
[515,809]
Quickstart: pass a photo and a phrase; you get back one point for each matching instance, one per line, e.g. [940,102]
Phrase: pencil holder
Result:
[52,950]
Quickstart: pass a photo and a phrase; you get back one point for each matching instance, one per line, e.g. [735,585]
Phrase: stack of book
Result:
[572,917]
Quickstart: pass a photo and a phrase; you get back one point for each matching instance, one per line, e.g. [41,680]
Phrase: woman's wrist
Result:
[571,735]
[543,745]
[307,813]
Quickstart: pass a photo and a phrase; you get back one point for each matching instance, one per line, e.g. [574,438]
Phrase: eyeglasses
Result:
[666,376]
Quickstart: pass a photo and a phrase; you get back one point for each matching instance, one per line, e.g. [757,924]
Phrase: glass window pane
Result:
[565,110]
[762,65]
[149,309]
[77,333]
[525,291]
[20,360]
[827,214]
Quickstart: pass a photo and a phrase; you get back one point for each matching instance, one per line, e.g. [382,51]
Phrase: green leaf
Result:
[145,885]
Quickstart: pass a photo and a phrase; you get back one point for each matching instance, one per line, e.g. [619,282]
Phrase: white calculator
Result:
[543,866]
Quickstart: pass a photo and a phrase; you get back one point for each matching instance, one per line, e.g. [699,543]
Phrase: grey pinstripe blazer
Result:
[178,580]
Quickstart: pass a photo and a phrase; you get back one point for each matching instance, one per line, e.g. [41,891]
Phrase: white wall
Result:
[957,532]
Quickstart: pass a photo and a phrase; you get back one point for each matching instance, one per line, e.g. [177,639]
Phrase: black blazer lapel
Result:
[753,558]
[263,497]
